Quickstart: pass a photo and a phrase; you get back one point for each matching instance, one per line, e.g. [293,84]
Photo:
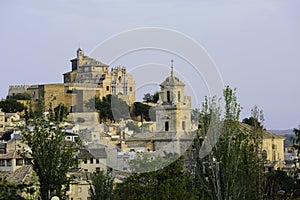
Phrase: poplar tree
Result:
[49,154]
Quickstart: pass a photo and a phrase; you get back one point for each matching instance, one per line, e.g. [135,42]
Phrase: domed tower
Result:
[173,114]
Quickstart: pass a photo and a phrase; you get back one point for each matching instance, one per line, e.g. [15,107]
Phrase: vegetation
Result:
[51,156]
[151,98]
[169,182]
[20,96]
[11,190]
[145,111]
[109,107]
[101,186]
[228,166]
[11,106]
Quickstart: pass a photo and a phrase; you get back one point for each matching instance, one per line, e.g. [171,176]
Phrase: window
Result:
[91,160]
[97,169]
[183,125]
[130,89]
[264,154]
[166,126]
[9,162]
[85,161]
[19,162]
[2,162]
[107,88]
[178,96]
[97,161]
[168,96]
[274,146]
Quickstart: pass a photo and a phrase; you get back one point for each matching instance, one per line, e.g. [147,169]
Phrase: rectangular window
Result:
[85,161]
[166,126]
[97,161]
[2,162]
[130,89]
[178,96]
[274,146]
[183,125]
[9,162]
[97,169]
[91,160]
[19,162]
[107,88]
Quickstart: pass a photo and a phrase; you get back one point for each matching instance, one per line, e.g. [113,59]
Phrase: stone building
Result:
[173,117]
[88,78]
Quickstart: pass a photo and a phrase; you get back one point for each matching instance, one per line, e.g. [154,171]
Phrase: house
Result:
[92,159]
[10,160]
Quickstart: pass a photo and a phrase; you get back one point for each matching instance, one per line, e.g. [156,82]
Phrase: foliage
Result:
[110,108]
[11,190]
[169,182]
[151,98]
[143,110]
[276,181]
[20,96]
[51,156]
[11,106]
[60,112]
[230,167]
[101,186]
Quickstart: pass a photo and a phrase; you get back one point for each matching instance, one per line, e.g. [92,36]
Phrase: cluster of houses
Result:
[111,146]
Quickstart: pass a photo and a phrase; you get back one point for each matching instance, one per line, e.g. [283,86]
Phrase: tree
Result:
[60,112]
[151,98]
[109,108]
[228,165]
[169,182]
[11,106]
[11,190]
[143,110]
[101,186]
[20,96]
[50,155]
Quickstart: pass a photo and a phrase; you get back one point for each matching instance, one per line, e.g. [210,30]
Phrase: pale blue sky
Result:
[254,43]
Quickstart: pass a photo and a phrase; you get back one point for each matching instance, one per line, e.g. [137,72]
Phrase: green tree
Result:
[143,110]
[11,190]
[60,112]
[169,182]
[11,106]
[109,107]
[20,96]
[101,186]
[153,98]
[51,156]
[228,165]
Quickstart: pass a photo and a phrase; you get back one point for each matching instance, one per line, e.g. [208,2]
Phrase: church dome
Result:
[172,80]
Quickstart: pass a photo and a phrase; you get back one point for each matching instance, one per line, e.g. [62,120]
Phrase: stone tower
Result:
[173,113]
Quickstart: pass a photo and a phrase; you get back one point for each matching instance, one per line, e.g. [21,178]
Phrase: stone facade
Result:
[88,78]
[173,116]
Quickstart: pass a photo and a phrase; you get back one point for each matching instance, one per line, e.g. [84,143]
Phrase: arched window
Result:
[264,155]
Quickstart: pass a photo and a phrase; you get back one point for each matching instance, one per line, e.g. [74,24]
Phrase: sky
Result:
[254,44]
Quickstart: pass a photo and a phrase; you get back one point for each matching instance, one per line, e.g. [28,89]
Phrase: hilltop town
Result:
[112,140]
